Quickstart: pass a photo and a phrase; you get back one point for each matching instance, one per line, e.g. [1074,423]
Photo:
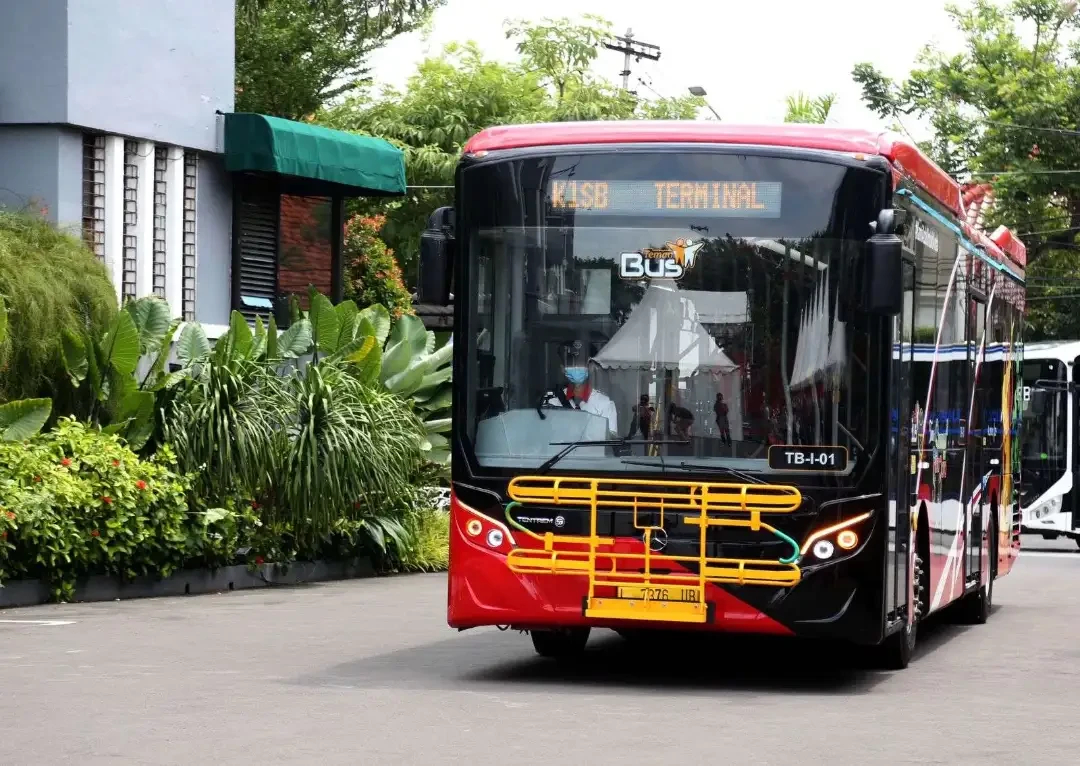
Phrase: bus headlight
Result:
[843,535]
[847,539]
[494,538]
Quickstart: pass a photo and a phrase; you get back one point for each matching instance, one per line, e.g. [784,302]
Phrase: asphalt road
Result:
[366,672]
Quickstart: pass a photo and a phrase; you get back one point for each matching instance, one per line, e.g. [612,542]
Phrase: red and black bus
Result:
[721,378]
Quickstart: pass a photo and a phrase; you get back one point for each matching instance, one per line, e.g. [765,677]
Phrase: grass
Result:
[50,282]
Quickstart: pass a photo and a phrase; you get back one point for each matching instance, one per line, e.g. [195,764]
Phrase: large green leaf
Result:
[93,366]
[23,418]
[440,401]
[76,362]
[347,312]
[193,345]
[152,318]
[272,340]
[406,344]
[258,348]
[324,324]
[136,410]
[296,341]
[439,426]
[366,360]
[241,340]
[406,382]
[3,320]
[120,346]
[379,317]
[157,371]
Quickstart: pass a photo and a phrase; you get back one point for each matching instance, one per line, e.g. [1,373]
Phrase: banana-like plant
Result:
[22,418]
[117,376]
[402,357]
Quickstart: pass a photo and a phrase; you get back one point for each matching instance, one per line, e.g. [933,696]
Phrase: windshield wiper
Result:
[569,447]
[748,478]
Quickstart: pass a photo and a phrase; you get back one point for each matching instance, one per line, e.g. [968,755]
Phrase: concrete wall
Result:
[118,67]
[213,238]
[33,61]
[158,75]
[42,164]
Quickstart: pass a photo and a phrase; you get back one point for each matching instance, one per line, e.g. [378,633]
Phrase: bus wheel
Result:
[895,652]
[560,643]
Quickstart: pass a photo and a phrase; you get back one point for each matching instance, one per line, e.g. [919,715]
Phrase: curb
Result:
[16,593]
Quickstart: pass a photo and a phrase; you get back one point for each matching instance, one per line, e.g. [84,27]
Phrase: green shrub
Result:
[51,283]
[76,501]
[429,549]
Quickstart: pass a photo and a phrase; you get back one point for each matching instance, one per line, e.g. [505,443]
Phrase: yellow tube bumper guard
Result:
[646,586]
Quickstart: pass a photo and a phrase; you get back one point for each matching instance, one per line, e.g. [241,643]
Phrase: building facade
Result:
[116,121]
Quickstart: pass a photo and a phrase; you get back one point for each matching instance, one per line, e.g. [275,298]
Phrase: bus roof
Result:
[905,157]
[1066,350]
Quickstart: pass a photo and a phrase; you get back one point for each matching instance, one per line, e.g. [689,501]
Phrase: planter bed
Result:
[16,593]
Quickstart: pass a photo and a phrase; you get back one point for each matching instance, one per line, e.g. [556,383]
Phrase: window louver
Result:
[257,241]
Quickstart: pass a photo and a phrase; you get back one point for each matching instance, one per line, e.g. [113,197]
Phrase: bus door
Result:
[902,464]
[975,437]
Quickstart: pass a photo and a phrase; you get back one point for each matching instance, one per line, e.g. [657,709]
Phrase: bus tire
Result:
[895,651]
[560,643]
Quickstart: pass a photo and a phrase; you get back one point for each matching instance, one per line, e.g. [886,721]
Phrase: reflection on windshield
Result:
[570,349]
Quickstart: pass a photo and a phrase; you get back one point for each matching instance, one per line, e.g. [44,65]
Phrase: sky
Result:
[749,56]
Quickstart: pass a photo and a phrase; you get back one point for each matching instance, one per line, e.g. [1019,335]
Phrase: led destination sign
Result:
[744,199]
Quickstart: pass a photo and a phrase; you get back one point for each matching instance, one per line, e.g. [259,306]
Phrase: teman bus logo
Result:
[668,262]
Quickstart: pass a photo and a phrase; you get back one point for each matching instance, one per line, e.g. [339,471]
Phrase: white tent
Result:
[665,332]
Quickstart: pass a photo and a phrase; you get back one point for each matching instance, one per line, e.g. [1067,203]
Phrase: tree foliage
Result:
[1003,110]
[460,92]
[803,108]
[293,56]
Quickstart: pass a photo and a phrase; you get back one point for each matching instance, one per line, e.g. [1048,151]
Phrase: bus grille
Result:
[653,585]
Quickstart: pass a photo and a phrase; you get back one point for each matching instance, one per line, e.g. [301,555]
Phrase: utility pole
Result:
[627,46]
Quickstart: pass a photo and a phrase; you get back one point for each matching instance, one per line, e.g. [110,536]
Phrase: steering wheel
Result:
[559,394]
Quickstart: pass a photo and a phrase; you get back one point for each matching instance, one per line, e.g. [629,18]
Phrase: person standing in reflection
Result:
[642,421]
[681,420]
[720,408]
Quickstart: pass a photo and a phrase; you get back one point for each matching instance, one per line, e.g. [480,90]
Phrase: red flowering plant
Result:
[77,501]
[372,273]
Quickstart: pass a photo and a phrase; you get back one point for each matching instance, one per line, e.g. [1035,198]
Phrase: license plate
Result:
[660,594]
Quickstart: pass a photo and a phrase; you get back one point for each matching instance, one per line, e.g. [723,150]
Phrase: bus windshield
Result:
[667,304]
[1045,434]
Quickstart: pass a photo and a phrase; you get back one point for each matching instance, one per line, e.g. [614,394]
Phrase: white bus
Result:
[1049,440]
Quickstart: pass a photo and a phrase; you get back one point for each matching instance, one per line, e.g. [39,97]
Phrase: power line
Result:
[627,46]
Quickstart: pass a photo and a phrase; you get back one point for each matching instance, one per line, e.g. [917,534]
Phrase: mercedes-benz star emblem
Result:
[658,541]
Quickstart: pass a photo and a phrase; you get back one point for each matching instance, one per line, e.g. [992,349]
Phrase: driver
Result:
[583,396]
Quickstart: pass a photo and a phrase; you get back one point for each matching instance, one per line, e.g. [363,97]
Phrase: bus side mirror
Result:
[436,258]
[882,269]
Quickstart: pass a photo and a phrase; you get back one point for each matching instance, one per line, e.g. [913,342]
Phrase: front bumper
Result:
[839,599]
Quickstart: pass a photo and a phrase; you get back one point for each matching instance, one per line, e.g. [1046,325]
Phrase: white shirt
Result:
[597,404]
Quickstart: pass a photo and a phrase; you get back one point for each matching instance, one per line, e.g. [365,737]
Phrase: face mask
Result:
[577,375]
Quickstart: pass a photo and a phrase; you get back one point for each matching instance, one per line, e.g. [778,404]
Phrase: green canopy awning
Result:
[256,143]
